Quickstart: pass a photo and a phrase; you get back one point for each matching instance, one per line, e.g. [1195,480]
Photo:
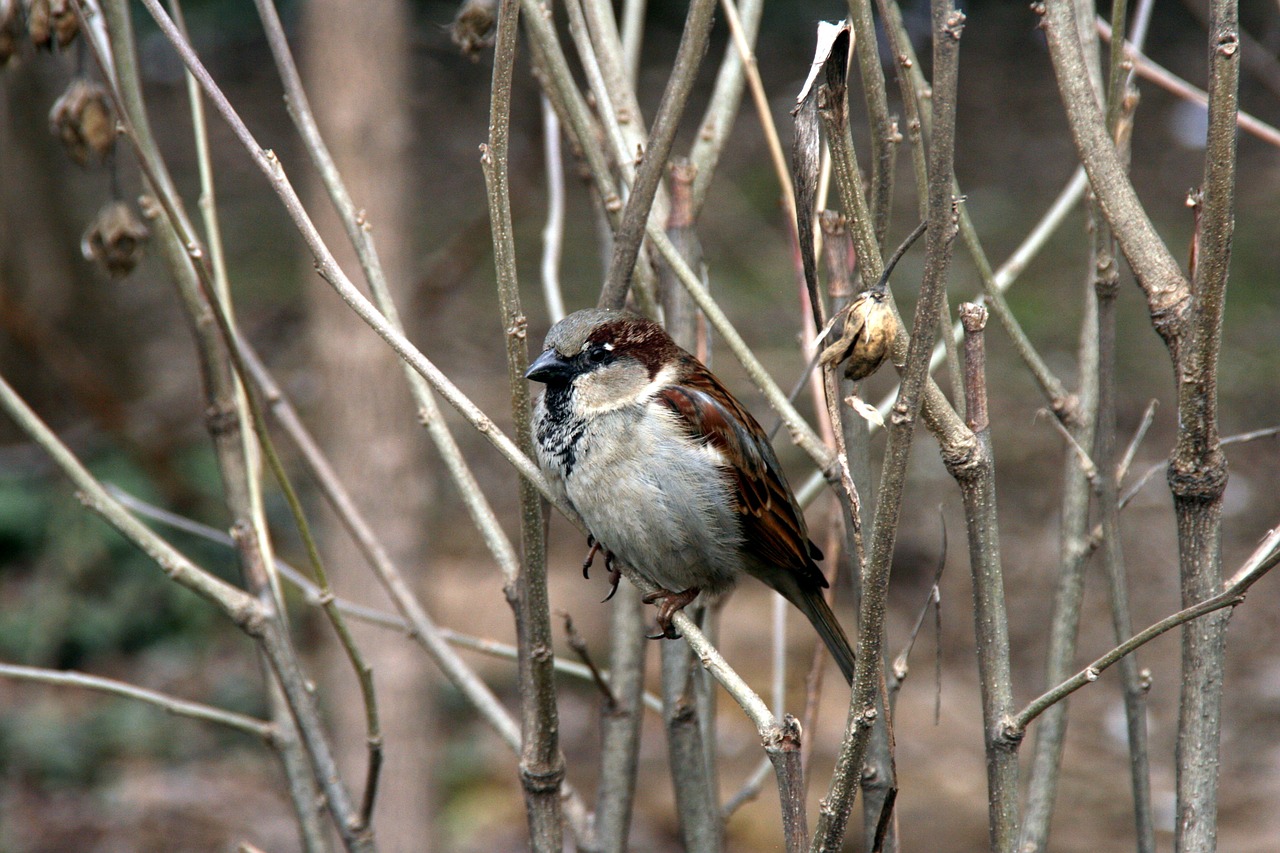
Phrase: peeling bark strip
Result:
[831,59]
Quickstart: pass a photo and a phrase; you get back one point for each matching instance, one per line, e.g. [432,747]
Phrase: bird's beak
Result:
[548,367]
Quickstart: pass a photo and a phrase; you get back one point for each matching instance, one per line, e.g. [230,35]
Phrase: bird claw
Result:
[671,603]
[615,575]
[591,557]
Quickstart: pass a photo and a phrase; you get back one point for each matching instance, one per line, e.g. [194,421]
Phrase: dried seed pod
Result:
[866,331]
[472,29]
[40,23]
[10,29]
[51,20]
[82,119]
[115,240]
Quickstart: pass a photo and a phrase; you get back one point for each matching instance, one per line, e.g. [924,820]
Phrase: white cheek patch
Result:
[665,376]
[617,386]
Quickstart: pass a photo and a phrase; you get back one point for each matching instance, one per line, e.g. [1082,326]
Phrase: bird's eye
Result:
[599,354]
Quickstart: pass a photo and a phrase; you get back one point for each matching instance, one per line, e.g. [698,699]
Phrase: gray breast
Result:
[656,501]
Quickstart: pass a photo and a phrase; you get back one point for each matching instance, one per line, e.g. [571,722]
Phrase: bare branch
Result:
[179,707]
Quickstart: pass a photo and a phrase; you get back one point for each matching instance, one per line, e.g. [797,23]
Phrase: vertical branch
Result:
[851,437]
[553,232]
[884,133]
[1167,290]
[541,763]
[222,396]
[692,773]
[1104,456]
[991,620]
[1075,535]
[696,800]
[630,232]
[869,675]
[784,751]
[621,720]
[1064,620]
[1197,469]
[1121,103]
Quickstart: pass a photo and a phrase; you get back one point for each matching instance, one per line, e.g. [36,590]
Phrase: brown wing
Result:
[772,524]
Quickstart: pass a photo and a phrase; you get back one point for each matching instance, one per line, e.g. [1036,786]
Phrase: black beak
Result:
[549,367]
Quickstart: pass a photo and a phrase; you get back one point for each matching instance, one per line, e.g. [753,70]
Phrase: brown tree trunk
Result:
[356,67]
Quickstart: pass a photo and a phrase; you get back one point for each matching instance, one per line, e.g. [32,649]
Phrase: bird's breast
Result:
[658,500]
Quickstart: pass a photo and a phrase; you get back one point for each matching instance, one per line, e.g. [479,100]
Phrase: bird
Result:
[669,472]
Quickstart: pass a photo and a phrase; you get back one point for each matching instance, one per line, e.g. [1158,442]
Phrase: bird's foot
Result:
[615,575]
[591,557]
[671,603]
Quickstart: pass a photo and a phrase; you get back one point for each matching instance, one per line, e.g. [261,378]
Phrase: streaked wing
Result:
[774,529]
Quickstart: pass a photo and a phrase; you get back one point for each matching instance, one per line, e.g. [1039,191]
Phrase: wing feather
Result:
[772,525]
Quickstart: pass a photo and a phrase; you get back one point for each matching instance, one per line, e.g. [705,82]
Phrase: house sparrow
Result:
[670,473]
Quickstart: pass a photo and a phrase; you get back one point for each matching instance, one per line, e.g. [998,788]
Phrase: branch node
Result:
[1204,482]
[542,781]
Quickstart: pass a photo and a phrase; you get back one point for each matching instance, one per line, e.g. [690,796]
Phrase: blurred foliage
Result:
[77,595]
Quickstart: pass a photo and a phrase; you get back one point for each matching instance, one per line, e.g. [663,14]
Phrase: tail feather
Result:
[806,595]
[815,607]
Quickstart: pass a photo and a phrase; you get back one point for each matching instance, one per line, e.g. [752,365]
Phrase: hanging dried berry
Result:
[865,330]
[82,119]
[473,26]
[50,21]
[10,30]
[115,240]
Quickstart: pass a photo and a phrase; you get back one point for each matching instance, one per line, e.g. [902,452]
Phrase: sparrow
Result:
[670,473]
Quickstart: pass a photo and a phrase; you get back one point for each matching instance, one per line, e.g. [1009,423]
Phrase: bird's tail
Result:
[814,606]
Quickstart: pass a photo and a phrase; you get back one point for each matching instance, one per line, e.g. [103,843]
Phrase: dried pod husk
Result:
[82,119]
[10,29]
[50,21]
[116,240]
[473,28]
[865,331]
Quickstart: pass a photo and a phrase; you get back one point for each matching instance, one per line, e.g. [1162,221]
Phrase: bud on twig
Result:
[115,240]
[82,119]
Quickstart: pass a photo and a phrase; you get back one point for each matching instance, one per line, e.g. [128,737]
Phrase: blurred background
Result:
[108,362]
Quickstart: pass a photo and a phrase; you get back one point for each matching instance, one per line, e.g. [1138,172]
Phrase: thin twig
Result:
[630,232]
[179,707]
[553,231]
[1170,82]
[869,675]
[359,233]
[722,108]
[742,32]
[932,600]
[1086,463]
[1264,558]
[541,761]
[1130,451]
